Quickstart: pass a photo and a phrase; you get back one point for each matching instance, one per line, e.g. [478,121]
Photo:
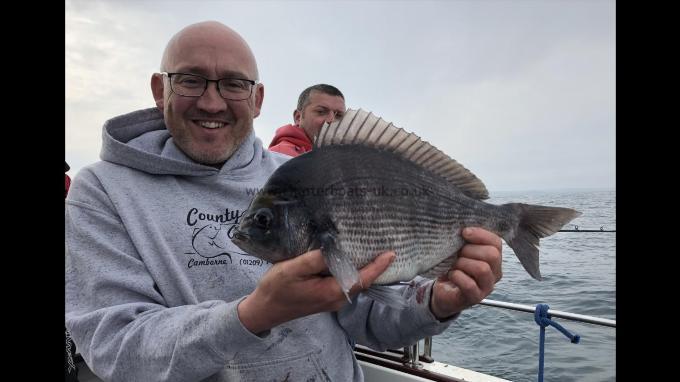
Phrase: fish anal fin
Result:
[387,295]
[440,269]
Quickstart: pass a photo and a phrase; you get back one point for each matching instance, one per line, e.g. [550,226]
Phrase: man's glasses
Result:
[192,85]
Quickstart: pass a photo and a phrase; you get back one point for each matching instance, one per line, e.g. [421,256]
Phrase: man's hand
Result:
[295,288]
[472,277]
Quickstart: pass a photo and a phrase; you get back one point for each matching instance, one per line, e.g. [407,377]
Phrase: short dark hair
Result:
[323,88]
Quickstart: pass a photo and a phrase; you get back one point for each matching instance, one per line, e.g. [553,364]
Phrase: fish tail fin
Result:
[535,222]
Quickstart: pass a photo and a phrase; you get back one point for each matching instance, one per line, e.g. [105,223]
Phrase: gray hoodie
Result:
[153,280]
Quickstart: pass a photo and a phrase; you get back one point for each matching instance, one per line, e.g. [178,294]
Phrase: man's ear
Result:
[259,97]
[296,117]
[157,88]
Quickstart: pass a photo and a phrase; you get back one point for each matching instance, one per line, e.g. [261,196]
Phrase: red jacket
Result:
[68,180]
[290,140]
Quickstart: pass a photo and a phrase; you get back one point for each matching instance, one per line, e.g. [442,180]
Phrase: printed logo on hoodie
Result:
[211,236]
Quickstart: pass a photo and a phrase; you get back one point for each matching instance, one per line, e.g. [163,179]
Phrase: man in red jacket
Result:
[316,105]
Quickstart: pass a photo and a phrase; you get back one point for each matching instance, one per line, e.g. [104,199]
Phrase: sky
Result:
[522,93]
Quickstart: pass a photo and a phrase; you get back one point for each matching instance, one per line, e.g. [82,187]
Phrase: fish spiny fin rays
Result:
[364,128]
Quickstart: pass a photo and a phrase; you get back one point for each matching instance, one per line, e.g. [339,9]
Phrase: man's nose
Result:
[331,116]
[211,100]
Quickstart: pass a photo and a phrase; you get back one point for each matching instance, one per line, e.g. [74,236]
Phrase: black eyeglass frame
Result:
[207,81]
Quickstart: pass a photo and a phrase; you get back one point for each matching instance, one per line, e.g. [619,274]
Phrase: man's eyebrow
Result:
[234,74]
[202,72]
[327,109]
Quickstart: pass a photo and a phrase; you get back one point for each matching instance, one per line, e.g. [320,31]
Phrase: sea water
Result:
[578,270]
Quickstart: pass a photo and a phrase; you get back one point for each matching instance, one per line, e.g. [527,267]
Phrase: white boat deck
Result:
[372,373]
[387,367]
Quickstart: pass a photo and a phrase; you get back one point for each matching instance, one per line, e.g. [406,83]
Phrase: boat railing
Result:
[412,356]
[551,312]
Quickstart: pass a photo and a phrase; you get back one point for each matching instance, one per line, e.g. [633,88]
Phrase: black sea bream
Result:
[368,187]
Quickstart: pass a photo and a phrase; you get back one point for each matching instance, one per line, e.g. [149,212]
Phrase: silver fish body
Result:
[355,200]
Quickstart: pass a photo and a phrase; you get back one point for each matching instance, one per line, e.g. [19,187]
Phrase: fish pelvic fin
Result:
[536,222]
[340,265]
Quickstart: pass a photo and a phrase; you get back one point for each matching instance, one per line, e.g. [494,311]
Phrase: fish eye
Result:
[263,218]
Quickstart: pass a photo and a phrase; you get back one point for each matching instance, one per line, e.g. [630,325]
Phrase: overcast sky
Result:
[522,93]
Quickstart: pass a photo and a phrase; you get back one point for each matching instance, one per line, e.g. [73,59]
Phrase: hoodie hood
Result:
[290,140]
[140,140]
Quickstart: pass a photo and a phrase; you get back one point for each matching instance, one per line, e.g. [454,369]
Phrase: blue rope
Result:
[542,318]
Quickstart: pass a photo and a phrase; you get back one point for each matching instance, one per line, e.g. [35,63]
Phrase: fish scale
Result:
[429,222]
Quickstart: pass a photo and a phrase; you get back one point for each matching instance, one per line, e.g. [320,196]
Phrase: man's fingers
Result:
[468,286]
[309,263]
[312,263]
[486,253]
[480,271]
[476,235]
[374,269]
[484,246]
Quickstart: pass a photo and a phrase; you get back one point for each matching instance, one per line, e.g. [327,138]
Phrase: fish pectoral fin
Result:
[387,295]
[339,264]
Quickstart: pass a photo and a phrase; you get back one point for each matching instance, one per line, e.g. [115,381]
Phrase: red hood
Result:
[68,180]
[68,183]
[290,140]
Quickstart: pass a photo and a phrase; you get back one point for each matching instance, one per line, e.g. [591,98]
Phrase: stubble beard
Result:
[183,140]
[217,159]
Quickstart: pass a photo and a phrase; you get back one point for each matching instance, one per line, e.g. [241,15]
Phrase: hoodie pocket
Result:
[303,368]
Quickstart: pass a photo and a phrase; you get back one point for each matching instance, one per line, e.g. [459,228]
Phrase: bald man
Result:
[156,290]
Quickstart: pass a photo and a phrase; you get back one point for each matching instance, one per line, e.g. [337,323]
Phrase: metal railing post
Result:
[427,351]
[410,358]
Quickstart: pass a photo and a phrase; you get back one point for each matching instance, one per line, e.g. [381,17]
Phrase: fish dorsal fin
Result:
[364,128]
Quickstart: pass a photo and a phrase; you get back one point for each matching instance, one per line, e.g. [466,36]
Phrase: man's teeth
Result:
[211,125]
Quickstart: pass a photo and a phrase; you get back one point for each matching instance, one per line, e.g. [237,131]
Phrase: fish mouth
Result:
[240,238]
